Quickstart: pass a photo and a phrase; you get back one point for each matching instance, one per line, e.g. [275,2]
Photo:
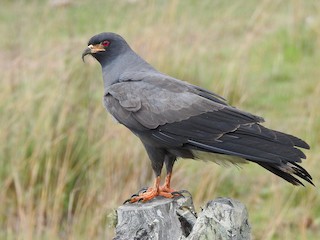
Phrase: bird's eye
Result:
[105,43]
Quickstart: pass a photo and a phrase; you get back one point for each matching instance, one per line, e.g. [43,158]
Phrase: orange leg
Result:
[166,186]
[151,193]
[156,190]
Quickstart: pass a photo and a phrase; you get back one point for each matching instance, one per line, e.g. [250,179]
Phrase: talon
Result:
[185,191]
[177,193]
[143,190]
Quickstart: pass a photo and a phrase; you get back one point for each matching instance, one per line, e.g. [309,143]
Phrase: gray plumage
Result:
[175,119]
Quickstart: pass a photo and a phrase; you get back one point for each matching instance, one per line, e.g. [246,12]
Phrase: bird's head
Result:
[105,46]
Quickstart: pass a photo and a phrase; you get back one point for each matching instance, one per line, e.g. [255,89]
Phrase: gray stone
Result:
[170,219]
[222,218]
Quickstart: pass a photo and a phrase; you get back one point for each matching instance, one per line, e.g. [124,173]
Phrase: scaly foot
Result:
[150,193]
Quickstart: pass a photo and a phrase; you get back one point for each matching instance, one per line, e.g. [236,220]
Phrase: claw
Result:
[127,201]
[177,193]
[143,190]
[185,191]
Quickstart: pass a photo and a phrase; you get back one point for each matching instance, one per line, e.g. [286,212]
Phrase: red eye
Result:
[105,43]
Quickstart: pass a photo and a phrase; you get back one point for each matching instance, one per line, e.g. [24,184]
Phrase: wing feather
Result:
[175,115]
[156,101]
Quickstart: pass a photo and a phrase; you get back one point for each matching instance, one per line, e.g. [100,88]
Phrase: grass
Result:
[65,165]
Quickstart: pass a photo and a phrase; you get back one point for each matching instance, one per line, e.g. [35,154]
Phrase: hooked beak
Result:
[92,49]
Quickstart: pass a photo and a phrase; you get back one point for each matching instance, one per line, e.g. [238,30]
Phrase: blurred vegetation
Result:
[65,165]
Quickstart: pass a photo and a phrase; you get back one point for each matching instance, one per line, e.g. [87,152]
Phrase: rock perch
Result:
[170,219]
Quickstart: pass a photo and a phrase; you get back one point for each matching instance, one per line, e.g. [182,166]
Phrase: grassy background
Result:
[65,165]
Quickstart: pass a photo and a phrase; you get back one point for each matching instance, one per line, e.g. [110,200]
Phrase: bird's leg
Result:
[166,191]
[156,190]
[149,194]
[166,186]
[157,159]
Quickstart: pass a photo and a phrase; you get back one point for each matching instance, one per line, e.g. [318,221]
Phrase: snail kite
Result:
[176,119]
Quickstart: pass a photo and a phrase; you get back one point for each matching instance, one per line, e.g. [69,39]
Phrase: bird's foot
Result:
[167,189]
[174,193]
[145,195]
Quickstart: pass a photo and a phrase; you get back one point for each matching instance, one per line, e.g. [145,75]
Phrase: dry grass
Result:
[65,164]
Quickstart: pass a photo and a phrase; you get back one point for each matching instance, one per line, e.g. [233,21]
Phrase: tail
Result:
[240,137]
[277,152]
[287,170]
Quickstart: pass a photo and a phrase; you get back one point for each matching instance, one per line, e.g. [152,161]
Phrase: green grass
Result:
[65,165]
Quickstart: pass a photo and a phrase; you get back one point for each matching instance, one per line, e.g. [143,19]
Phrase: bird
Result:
[175,119]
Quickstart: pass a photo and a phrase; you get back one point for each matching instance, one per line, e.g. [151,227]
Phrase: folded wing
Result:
[179,115]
